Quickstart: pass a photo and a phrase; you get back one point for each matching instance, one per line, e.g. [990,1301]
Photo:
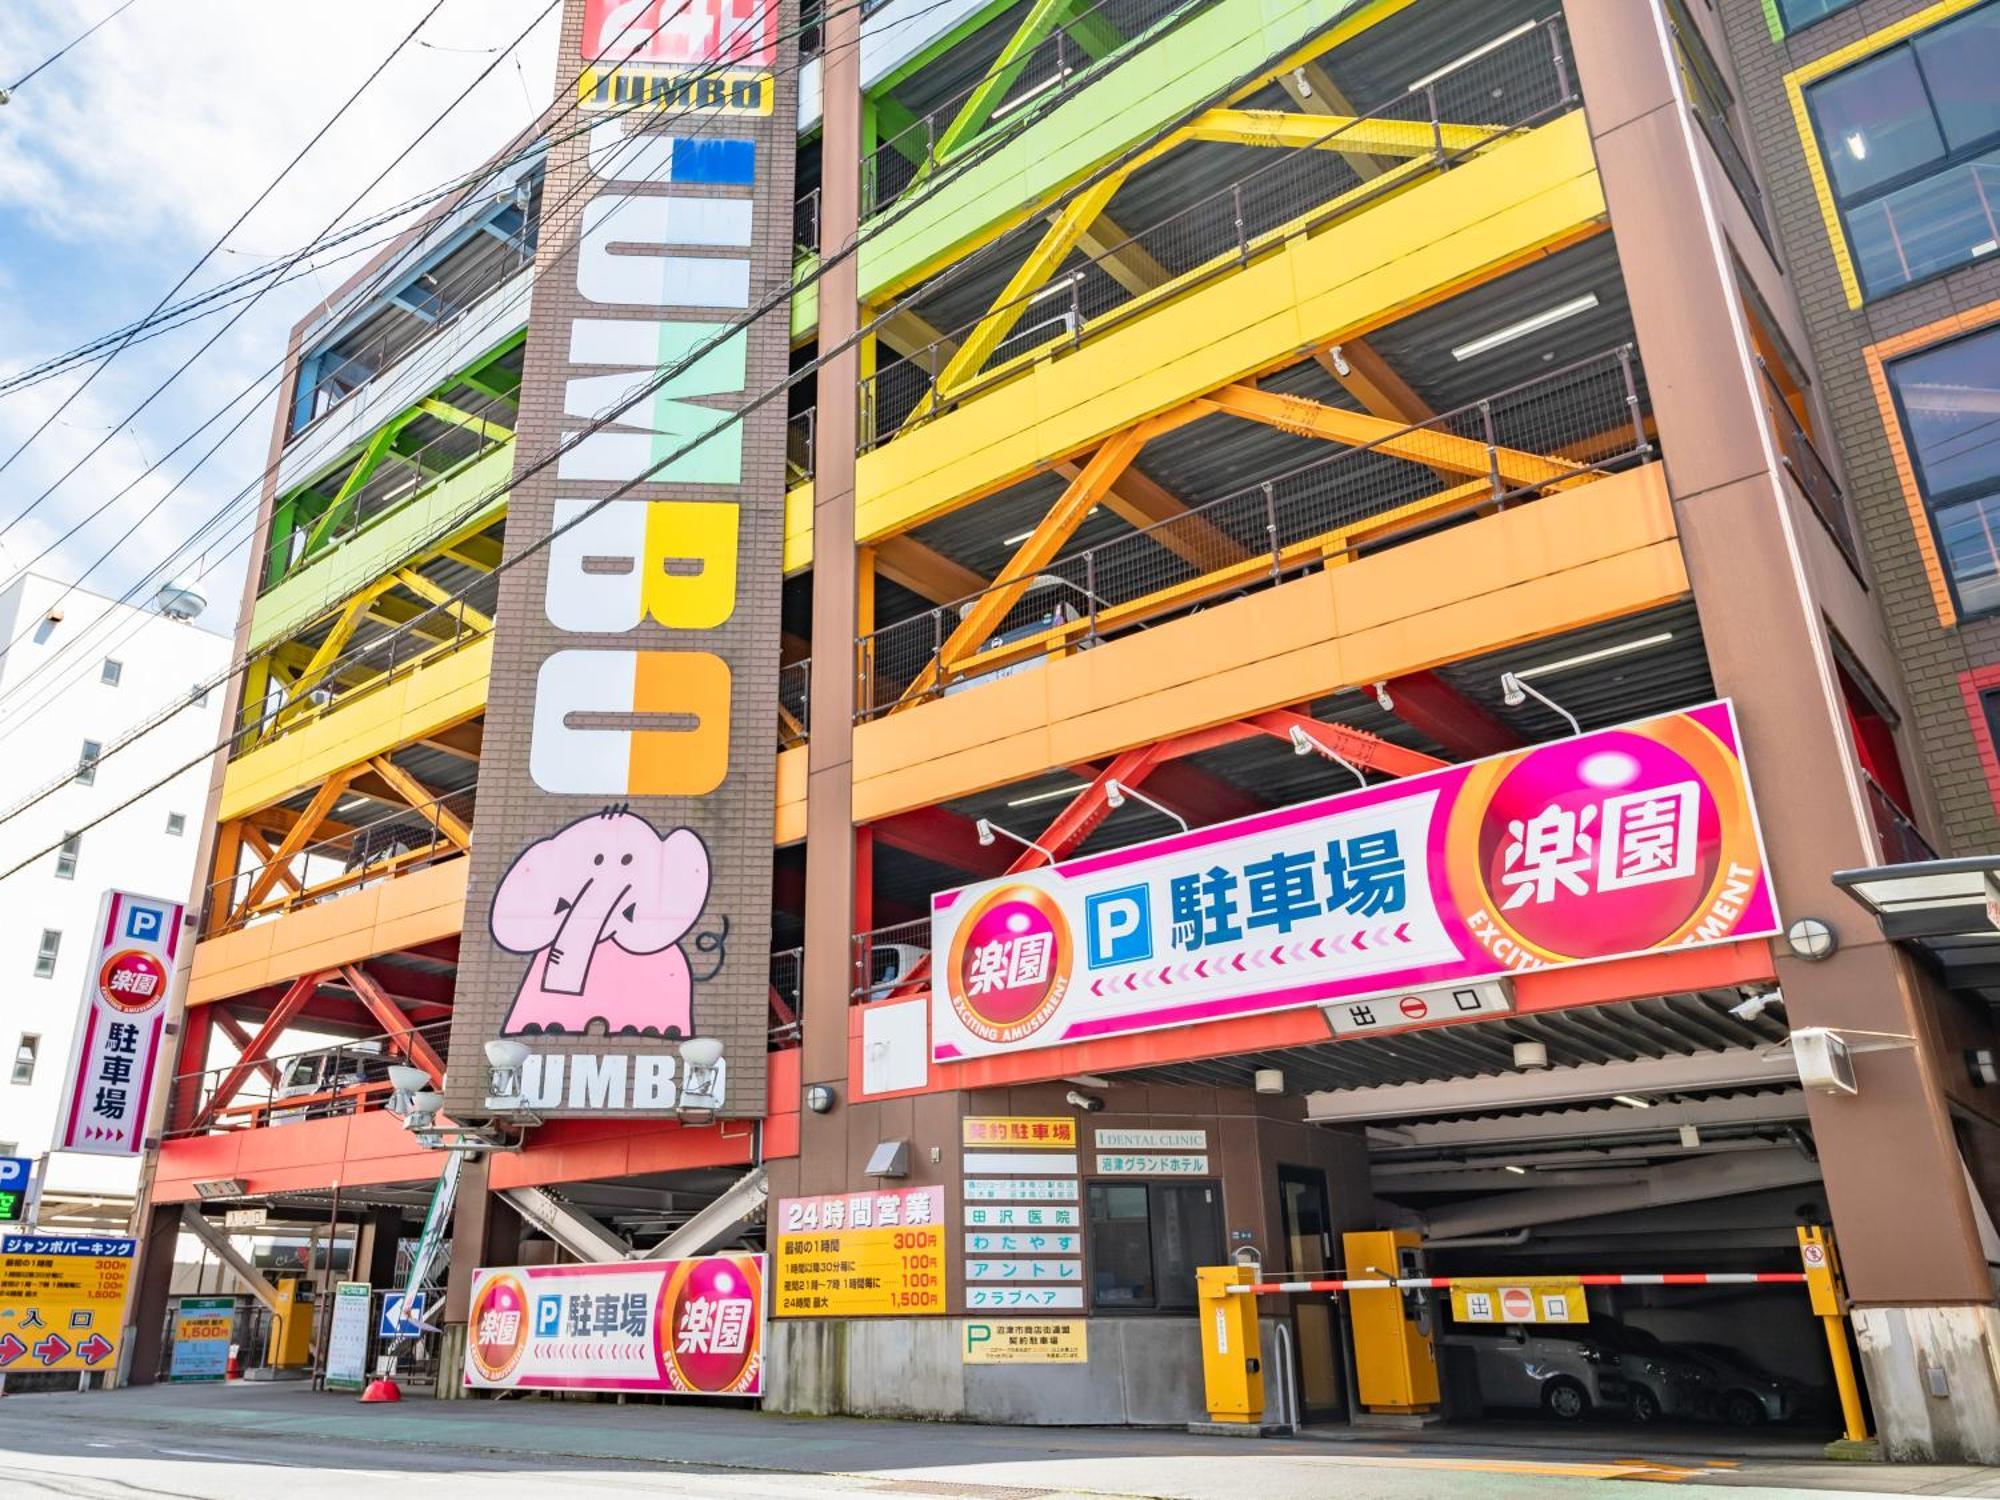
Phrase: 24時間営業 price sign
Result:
[861,1255]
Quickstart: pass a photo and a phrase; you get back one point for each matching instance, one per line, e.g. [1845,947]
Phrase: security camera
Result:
[1086,1102]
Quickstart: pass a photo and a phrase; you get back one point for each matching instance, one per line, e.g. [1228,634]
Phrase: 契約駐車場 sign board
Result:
[1026,1341]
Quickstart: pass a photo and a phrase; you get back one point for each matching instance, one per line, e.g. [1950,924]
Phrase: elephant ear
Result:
[524,918]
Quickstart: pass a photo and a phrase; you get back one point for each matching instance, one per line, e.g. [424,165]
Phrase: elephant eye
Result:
[625,859]
[598,860]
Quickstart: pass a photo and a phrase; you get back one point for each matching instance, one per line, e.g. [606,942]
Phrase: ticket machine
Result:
[1394,1366]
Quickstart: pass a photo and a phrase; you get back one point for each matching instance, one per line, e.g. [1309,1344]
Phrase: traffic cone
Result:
[234,1369]
[382,1388]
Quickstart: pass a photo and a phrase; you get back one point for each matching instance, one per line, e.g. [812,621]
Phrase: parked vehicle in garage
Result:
[1556,1371]
[1747,1394]
[1661,1381]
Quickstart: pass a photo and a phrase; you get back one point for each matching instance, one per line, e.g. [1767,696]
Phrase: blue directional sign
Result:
[16,1172]
[401,1317]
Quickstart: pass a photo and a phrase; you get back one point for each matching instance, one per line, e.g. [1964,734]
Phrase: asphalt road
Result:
[233,1444]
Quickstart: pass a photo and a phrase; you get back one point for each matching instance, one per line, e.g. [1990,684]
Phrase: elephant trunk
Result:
[583,924]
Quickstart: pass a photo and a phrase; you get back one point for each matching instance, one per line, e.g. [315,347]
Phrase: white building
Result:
[77,672]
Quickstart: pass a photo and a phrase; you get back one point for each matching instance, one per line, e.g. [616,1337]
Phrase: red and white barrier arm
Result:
[1444,1283]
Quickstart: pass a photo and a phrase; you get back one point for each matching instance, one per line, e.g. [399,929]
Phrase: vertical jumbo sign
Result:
[620,895]
[118,1034]
[1618,842]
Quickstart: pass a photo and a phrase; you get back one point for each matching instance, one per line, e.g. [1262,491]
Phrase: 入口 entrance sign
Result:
[620,891]
[125,992]
[1618,842]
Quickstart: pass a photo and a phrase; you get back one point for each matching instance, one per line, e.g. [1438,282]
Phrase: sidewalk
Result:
[1113,1461]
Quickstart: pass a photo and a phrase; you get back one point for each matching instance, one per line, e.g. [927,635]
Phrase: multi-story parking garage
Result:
[1317,659]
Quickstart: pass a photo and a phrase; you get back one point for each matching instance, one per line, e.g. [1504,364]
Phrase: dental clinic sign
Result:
[1613,843]
[125,990]
[620,895]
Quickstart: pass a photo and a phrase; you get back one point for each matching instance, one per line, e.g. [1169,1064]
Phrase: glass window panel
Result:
[1960,63]
[1927,227]
[1969,533]
[1121,1246]
[1799,13]
[1875,123]
[1950,400]
[1188,1234]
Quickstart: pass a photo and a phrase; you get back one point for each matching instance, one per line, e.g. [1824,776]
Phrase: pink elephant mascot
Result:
[602,905]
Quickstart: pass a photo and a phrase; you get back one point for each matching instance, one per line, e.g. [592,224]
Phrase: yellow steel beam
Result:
[1123,258]
[1368,378]
[1042,263]
[1312,88]
[1139,501]
[1341,133]
[1439,450]
[329,649]
[444,411]
[425,589]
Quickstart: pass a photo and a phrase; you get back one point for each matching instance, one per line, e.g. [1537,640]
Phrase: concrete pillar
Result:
[484,1232]
[1769,589]
[145,1340]
[827,977]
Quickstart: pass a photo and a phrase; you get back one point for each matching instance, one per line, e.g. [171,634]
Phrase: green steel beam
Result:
[1041,19]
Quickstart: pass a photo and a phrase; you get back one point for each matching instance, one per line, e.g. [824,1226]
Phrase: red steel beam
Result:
[259,1048]
[403,1036]
[941,835]
[1439,711]
[235,1031]
[1363,749]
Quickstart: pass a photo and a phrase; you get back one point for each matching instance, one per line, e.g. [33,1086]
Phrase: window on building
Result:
[1714,108]
[1911,142]
[86,762]
[45,956]
[1800,13]
[66,857]
[176,824]
[1945,399]
[10,1148]
[112,671]
[25,1054]
[1147,1238]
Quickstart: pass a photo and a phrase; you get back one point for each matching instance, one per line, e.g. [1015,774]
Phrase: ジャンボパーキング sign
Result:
[620,892]
[695,1327]
[118,1034]
[1618,842]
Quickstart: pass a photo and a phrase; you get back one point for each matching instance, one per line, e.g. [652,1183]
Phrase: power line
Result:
[163,568]
[187,276]
[610,414]
[15,86]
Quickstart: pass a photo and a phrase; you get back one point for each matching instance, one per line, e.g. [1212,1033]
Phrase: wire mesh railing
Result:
[368,665]
[1089,42]
[346,1078]
[788,994]
[1514,83]
[358,855]
[794,702]
[1564,428]
[888,960]
[800,431]
[400,477]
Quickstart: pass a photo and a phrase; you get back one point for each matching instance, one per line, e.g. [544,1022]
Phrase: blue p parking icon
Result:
[1119,926]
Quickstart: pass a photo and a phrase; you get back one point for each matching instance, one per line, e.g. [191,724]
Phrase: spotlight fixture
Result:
[1632,1101]
[1529,1056]
[986,829]
[1382,699]
[1269,1080]
[1514,692]
[1750,1007]
[1305,744]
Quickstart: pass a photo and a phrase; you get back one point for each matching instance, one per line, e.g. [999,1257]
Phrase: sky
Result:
[122,163]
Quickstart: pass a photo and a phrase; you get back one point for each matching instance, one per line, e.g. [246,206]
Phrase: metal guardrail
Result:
[1590,412]
[346,1078]
[1807,469]
[1510,86]
[1903,843]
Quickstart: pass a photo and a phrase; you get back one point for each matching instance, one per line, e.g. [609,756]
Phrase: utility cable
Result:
[188,275]
[597,423]
[77,41]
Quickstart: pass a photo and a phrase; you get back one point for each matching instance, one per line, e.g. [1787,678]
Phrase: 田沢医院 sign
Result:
[620,897]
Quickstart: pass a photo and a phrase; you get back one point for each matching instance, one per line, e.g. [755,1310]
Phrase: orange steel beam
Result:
[1439,711]
[296,838]
[261,847]
[1304,417]
[258,1049]
[906,561]
[426,803]
[1142,503]
[389,1015]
